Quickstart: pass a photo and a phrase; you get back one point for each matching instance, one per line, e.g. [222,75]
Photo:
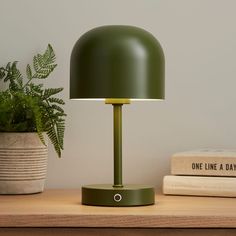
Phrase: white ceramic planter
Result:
[23,163]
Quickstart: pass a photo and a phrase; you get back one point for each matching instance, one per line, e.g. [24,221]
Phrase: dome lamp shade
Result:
[117,62]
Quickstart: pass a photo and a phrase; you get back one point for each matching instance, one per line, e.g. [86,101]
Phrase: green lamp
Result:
[117,64]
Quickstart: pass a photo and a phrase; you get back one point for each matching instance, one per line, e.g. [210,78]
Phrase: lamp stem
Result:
[117,113]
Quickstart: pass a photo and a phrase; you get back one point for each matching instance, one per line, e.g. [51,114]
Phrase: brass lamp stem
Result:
[117,113]
[117,132]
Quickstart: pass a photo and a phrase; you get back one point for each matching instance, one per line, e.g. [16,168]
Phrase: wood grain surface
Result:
[113,232]
[62,208]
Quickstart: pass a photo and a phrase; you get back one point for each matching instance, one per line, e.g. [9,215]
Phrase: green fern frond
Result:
[44,64]
[16,76]
[56,100]
[58,114]
[13,75]
[38,119]
[8,65]
[13,85]
[43,73]
[37,88]
[13,67]
[50,66]
[20,82]
[51,91]
[28,72]
[2,73]
[51,132]
[35,63]
[60,133]
[40,60]
[49,55]
[55,107]
[8,72]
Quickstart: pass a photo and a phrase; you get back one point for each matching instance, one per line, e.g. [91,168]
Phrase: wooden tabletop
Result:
[62,208]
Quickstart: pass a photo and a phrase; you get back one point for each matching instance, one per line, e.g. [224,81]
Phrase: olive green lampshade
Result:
[117,62]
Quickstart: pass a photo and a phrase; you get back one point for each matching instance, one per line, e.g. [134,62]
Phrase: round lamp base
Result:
[128,195]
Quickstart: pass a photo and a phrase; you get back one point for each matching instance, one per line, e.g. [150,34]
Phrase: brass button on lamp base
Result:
[128,195]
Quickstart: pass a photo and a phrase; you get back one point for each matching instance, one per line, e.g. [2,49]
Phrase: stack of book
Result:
[207,172]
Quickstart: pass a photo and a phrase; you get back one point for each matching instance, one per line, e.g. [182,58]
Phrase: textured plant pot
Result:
[23,163]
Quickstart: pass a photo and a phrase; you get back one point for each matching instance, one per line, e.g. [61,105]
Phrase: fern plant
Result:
[26,106]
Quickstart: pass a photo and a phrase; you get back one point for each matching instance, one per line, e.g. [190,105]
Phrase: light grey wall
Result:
[199,41]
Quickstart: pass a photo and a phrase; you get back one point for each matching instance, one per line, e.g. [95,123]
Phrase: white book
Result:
[199,186]
[204,162]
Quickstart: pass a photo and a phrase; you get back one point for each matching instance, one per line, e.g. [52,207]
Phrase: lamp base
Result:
[128,195]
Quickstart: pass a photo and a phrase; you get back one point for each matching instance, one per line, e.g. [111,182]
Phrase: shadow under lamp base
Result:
[128,195]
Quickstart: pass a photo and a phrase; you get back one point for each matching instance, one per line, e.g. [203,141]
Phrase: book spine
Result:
[200,186]
[205,166]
